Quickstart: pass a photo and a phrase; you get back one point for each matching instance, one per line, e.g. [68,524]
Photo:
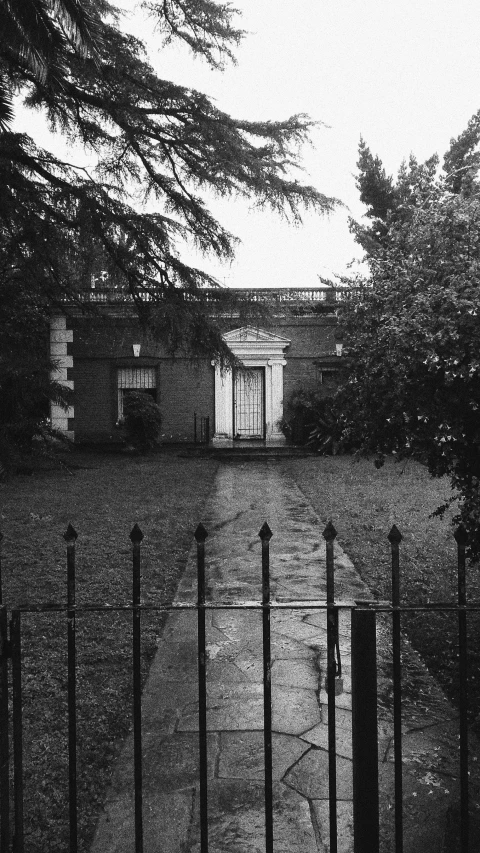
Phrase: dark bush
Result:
[313,420]
[142,421]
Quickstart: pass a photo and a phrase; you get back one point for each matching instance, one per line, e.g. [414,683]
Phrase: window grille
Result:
[135,379]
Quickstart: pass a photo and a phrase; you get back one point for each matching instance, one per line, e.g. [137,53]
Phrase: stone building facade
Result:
[104,356]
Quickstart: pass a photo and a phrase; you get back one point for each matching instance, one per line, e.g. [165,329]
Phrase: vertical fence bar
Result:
[4,751]
[265,535]
[200,536]
[136,537]
[461,539]
[395,537]
[329,535]
[366,831]
[70,537]
[15,639]
[1,588]
[194,427]
[4,745]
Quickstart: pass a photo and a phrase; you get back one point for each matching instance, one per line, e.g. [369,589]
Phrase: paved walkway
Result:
[244,497]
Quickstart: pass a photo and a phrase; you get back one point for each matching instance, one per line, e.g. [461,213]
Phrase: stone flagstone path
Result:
[244,496]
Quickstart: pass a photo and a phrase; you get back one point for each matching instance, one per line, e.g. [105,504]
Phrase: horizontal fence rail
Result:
[364,692]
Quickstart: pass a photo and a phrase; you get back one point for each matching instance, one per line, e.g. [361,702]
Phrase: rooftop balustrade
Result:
[272,296]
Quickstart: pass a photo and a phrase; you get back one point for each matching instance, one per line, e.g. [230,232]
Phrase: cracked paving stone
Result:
[238,625]
[343,700]
[295,673]
[318,736]
[294,710]
[309,776]
[320,620]
[232,707]
[226,672]
[343,716]
[237,820]
[321,812]
[240,707]
[284,647]
[294,627]
[242,755]
[251,666]
[169,764]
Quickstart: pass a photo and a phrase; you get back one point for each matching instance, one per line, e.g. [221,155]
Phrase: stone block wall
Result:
[61,339]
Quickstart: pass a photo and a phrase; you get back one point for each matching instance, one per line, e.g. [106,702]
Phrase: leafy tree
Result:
[151,138]
[413,335]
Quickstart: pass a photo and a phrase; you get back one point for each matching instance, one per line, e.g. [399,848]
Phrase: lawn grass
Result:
[102,498]
[363,503]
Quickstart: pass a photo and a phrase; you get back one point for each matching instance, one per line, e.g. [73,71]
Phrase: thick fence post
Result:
[265,535]
[136,537]
[461,540]
[1,589]
[395,537]
[4,744]
[70,537]
[329,535]
[364,732]
[200,536]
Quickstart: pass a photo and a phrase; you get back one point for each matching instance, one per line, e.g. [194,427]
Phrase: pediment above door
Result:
[248,341]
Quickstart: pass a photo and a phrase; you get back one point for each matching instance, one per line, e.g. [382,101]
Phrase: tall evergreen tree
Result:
[413,335]
[462,160]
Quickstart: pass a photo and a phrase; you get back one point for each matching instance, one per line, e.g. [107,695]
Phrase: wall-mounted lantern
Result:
[136,350]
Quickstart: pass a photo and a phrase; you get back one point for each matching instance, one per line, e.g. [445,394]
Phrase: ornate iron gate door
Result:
[249,403]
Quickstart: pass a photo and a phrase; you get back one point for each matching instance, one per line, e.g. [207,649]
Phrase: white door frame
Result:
[254,348]
[249,420]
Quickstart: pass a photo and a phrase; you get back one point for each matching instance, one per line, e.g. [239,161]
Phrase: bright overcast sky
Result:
[403,74]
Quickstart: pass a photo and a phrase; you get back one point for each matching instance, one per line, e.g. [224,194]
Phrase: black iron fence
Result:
[364,694]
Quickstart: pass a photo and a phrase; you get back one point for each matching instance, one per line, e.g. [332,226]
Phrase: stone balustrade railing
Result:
[266,295]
